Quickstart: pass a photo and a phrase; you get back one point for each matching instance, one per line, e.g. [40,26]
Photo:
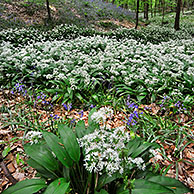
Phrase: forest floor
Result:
[19,13]
[15,159]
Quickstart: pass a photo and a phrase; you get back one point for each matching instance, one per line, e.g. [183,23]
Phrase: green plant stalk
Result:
[96,180]
[87,186]
[80,174]
[75,178]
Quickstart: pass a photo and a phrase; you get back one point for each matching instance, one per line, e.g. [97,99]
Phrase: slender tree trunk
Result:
[187,5]
[146,10]
[151,9]
[155,7]
[177,18]
[159,6]
[163,11]
[48,10]
[137,14]
[183,5]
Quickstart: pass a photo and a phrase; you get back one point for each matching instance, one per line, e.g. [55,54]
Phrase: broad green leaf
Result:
[60,152]
[59,186]
[80,129]
[42,155]
[70,142]
[142,186]
[133,145]
[102,191]
[41,169]
[176,186]
[141,149]
[124,192]
[28,186]
[66,172]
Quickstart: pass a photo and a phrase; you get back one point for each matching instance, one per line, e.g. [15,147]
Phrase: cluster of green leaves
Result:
[153,34]
[58,160]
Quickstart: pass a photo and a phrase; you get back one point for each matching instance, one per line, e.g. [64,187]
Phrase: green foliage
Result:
[42,158]
[91,67]
[58,186]
[61,160]
[56,146]
[26,186]
[70,142]
[158,184]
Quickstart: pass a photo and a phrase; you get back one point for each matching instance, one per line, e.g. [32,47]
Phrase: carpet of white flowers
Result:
[88,60]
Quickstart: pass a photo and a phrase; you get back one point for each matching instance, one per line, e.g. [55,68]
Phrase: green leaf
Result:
[133,145]
[102,191]
[70,142]
[176,186]
[105,179]
[95,97]
[140,98]
[141,149]
[80,129]
[41,169]
[59,186]
[153,98]
[6,151]
[26,186]
[69,90]
[121,190]
[146,187]
[66,172]
[60,152]
[78,95]
[124,192]
[42,155]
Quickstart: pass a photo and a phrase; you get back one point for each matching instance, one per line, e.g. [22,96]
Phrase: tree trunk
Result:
[151,9]
[155,7]
[163,11]
[137,14]
[48,10]
[177,18]
[183,5]
[146,10]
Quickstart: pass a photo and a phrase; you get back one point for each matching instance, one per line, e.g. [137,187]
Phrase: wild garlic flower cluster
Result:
[104,148]
[102,114]
[33,136]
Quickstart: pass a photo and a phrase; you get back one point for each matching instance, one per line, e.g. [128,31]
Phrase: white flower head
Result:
[102,114]
[33,136]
